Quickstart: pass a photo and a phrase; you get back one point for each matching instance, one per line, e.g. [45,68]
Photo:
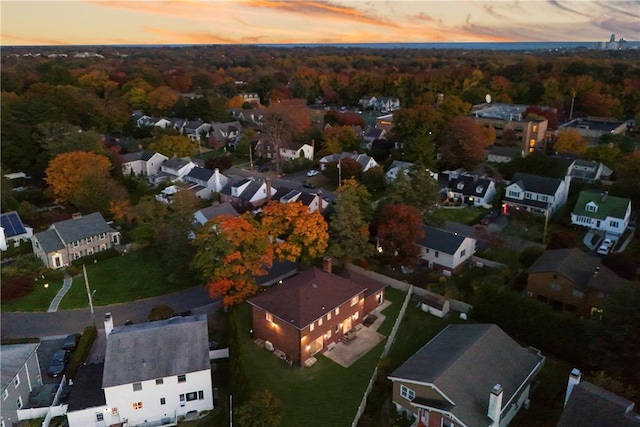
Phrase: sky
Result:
[94,22]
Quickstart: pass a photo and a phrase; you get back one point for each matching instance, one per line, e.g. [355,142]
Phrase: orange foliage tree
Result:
[68,171]
[296,233]
[398,231]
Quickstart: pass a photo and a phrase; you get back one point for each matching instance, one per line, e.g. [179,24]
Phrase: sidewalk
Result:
[68,281]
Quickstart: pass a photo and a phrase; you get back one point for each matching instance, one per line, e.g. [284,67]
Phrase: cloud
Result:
[557,4]
[10,39]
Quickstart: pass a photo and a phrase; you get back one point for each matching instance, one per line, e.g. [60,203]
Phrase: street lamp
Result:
[89,295]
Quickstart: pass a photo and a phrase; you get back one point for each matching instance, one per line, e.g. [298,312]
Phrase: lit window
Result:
[182,378]
[354,301]
[159,381]
[269,317]
[137,405]
[407,393]
[328,316]
[320,321]
[337,310]
[137,386]
[114,411]
[532,143]
[312,326]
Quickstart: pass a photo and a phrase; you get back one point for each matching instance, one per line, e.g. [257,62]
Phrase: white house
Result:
[313,201]
[294,150]
[396,167]
[13,230]
[247,193]
[367,162]
[589,171]
[196,129]
[142,163]
[602,212]
[469,189]
[153,373]
[20,375]
[445,251]
[173,169]
[217,209]
[211,181]
[536,194]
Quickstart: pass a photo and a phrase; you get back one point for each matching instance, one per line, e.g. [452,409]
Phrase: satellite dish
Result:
[488,98]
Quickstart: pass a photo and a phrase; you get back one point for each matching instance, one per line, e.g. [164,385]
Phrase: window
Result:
[320,321]
[437,254]
[269,317]
[614,224]
[337,311]
[354,301]
[137,386]
[75,244]
[578,294]
[328,316]
[102,236]
[159,381]
[514,194]
[336,329]
[19,403]
[201,395]
[182,400]
[591,207]
[463,252]
[407,393]
[192,396]
[447,423]
[312,326]
[554,286]
[182,378]
[16,381]
[137,405]
[5,394]
[163,401]
[99,417]
[89,239]
[114,411]
[527,195]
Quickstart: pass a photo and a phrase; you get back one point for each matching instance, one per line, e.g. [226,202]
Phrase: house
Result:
[247,193]
[599,211]
[210,181]
[68,240]
[593,128]
[572,281]
[536,194]
[589,171]
[253,116]
[385,122]
[13,230]
[294,150]
[225,134]
[312,310]
[141,119]
[586,404]
[365,161]
[153,374]
[396,167]
[142,163]
[467,375]
[503,154]
[445,251]
[368,102]
[435,304]
[371,134]
[196,130]
[20,374]
[387,104]
[469,189]
[313,201]
[251,97]
[172,170]
[217,209]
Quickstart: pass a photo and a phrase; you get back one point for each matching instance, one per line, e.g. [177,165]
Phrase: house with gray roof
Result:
[572,281]
[19,375]
[589,171]
[210,181]
[69,240]
[396,167]
[224,134]
[247,193]
[313,201]
[196,130]
[445,251]
[586,404]
[498,154]
[469,189]
[471,375]
[217,209]
[600,211]
[173,169]
[365,161]
[142,163]
[536,194]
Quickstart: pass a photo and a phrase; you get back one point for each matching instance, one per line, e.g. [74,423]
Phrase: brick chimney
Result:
[76,215]
[574,379]
[326,264]
[108,324]
[495,404]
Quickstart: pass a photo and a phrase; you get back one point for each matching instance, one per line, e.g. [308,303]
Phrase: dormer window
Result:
[479,189]
[591,207]
[460,185]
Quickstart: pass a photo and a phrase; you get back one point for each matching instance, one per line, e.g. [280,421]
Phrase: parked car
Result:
[263,168]
[308,185]
[70,342]
[313,172]
[490,217]
[58,363]
[605,247]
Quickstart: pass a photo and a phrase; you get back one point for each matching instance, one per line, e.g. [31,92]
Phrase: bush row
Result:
[82,351]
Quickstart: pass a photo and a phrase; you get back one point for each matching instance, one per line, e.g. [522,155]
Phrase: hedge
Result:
[81,353]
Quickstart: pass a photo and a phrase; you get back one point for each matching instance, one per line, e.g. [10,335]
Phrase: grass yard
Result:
[38,300]
[134,276]
[464,215]
[325,394]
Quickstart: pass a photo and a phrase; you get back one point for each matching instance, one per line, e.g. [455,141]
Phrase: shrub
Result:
[296,165]
[160,312]
[98,256]
[529,255]
[16,287]
[82,351]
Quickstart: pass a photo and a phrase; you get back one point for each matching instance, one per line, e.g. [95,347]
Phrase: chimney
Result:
[267,181]
[217,185]
[574,379]
[76,215]
[495,404]
[326,264]
[108,324]
[604,196]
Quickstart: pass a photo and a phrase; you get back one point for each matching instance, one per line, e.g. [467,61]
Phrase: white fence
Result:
[222,353]
[48,412]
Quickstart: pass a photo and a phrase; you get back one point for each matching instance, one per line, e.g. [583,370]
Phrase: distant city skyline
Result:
[139,22]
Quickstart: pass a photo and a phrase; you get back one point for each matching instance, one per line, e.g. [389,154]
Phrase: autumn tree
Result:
[462,143]
[283,120]
[346,168]
[398,230]
[162,99]
[98,82]
[349,226]
[339,139]
[230,251]
[61,137]
[418,188]
[627,183]
[296,232]
[415,130]
[572,142]
[374,179]
[67,172]
[174,145]
[262,410]
[136,92]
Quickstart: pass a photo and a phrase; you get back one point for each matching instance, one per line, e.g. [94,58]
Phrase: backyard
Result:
[462,214]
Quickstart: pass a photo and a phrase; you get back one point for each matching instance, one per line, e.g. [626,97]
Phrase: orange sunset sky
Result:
[86,22]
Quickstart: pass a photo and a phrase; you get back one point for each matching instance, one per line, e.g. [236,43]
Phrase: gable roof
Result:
[12,224]
[145,351]
[144,155]
[176,163]
[470,185]
[464,361]
[537,184]
[13,357]
[87,388]
[211,212]
[72,229]
[590,405]
[307,296]
[585,271]
[49,240]
[201,174]
[440,240]
[608,206]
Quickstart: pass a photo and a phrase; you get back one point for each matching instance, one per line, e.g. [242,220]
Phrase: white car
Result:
[605,247]
[312,172]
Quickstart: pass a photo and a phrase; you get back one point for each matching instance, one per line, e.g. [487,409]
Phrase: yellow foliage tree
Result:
[67,173]
[170,145]
[571,142]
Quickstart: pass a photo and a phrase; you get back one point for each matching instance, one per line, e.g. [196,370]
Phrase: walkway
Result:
[66,285]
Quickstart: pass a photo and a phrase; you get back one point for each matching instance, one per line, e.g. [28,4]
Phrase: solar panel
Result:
[12,224]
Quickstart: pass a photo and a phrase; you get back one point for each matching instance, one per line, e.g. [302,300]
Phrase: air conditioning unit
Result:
[268,345]
[526,404]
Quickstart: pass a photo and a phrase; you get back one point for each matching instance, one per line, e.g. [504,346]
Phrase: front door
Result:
[346,325]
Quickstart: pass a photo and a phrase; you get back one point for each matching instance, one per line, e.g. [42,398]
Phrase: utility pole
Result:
[89,295]
[339,173]
[573,98]
[230,410]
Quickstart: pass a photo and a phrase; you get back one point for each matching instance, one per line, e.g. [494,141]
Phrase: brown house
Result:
[312,311]
[570,280]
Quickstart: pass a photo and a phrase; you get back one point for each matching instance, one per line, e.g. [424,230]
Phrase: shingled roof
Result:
[590,405]
[158,349]
[440,240]
[607,206]
[71,230]
[537,184]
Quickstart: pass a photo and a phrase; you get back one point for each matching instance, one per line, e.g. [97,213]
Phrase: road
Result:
[62,323]
[292,180]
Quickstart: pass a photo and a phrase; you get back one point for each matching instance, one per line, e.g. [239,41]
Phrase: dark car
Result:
[490,217]
[70,342]
[263,168]
[58,363]
[308,185]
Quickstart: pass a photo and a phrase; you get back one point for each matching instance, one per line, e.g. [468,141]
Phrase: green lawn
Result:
[38,300]
[134,276]
[325,388]
[464,215]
